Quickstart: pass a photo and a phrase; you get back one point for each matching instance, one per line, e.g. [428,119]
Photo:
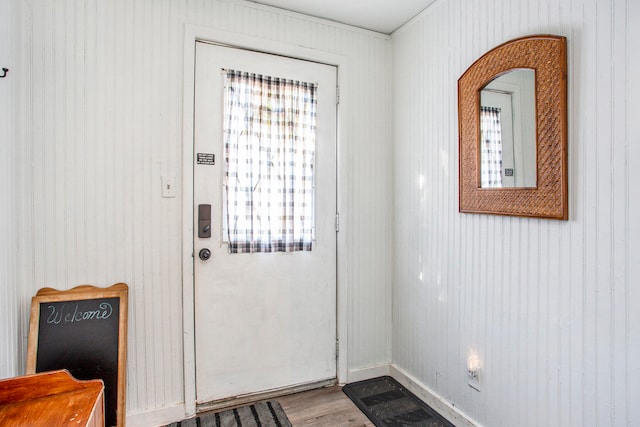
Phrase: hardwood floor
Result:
[323,407]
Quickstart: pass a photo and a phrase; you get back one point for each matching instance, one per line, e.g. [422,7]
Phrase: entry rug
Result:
[388,404]
[263,414]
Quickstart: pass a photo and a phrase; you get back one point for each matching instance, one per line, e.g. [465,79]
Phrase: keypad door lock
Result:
[204,221]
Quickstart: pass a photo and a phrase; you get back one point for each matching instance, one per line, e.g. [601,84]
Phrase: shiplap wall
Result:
[103,122]
[549,307]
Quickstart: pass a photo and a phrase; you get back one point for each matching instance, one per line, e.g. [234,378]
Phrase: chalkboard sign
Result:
[83,330]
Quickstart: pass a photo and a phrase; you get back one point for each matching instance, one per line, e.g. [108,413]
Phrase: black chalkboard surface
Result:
[84,331]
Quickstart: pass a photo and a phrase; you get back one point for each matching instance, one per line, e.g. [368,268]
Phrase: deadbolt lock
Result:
[204,254]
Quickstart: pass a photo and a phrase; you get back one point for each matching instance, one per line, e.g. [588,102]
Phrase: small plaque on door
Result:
[206,159]
[508,172]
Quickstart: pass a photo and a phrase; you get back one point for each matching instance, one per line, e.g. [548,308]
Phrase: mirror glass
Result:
[508,131]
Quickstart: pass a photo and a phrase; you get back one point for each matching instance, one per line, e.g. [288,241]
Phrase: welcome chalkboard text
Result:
[65,313]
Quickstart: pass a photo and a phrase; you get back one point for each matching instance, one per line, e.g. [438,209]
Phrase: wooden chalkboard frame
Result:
[81,293]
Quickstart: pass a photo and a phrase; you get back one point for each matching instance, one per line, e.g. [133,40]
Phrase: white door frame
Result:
[195,33]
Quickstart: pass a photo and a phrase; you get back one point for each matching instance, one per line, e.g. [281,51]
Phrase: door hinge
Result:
[337,222]
[337,349]
[337,95]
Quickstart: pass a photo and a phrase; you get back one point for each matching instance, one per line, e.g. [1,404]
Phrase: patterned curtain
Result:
[490,148]
[269,139]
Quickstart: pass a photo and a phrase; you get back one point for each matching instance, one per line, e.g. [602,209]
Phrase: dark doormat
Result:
[263,414]
[388,404]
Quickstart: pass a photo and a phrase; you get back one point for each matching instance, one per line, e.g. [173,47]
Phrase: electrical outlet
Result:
[473,379]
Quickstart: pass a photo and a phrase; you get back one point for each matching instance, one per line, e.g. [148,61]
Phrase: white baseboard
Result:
[167,415]
[157,417]
[362,374]
[431,398]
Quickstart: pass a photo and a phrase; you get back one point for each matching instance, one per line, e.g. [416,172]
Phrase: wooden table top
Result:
[51,399]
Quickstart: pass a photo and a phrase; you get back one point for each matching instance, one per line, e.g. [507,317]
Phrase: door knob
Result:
[204,254]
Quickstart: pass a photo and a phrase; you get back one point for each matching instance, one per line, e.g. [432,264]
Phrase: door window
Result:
[269,143]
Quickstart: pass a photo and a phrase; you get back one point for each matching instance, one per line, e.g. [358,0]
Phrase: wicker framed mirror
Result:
[500,189]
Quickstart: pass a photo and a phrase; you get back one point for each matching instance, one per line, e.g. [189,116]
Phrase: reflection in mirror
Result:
[508,131]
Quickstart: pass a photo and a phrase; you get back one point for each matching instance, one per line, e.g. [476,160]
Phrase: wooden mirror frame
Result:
[547,55]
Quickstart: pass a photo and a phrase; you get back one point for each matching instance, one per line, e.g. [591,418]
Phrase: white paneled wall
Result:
[549,307]
[9,306]
[103,122]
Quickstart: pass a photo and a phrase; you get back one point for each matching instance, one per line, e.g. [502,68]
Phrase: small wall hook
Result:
[4,73]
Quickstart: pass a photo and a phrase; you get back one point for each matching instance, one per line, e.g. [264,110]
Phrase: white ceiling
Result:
[383,16]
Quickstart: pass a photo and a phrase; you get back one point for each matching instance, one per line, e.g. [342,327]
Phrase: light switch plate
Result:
[168,186]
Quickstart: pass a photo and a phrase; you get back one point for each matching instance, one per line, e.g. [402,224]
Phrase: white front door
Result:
[264,321]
